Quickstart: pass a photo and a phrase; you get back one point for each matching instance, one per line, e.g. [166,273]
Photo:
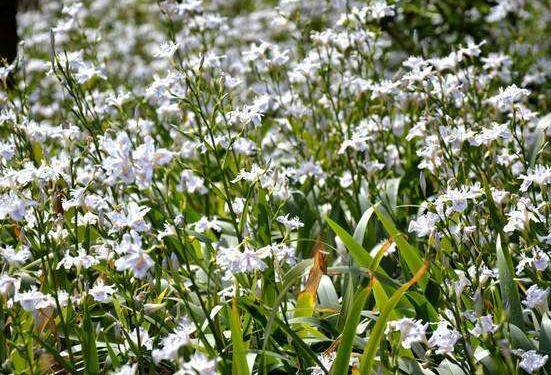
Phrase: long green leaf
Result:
[368,356]
[407,251]
[509,291]
[545,338]
[341,364]
[381,298]
[88,341]
[239,357]
[359,232]
[289,279]
[359,254]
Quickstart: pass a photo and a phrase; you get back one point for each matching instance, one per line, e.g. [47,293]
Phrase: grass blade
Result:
[239,357]
[359,254]
[507,286]
[407,251]
[341,364]
[359,232]
[376,335]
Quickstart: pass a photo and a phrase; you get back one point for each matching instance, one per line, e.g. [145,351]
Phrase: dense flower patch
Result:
[243,187]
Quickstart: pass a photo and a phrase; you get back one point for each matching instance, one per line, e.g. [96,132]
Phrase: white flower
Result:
[166,49]
[461,283]
[539,260]
[410,330]
[484,325]
[521,217]
[82,260]
[424,225]
[8,285]
[34,300]
[87,72]
[205,223]
[444,338]
[191,183]
[507,97]
[458,198]
[200,364]
[280,252]
[171,344]
[252,176]
[133,219]
[101,292]
[536,296]
[238,205]
[292,223]
[13,206]
[379,9]
[346,180]
[126,370]
[235,261]
[13,257]
[144,339]
[118,163]
[540,175]
[7,150]
[134,258]
[530,360]
[169,230]
[146,158]
[488,135]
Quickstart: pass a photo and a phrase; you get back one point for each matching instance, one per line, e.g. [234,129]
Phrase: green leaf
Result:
[341,364]
[491,365]
[408,252]
[88,341]
[494,212]
[519,340]
[347,301]
[239,356]
[359,232]
[509,291]
[381,298]
[391,187]
[410,366]
[449,368]
[539,139]
[423,308]
[368,356]
[290,278]
[545,338]
[359,254]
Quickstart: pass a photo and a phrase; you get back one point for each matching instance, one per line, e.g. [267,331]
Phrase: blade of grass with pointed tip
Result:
[381,298]
[289,279]
[407,251]
[368,356]
[359,254]
[341,364]
[359,232]
[507,286]
[239,356]
[88,341]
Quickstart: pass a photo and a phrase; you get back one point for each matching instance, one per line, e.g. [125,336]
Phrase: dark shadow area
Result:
[8,30]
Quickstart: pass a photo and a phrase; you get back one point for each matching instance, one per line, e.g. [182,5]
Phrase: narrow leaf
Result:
[407,251]
[239,358]
[341,364]
[368,356]
[509,291]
